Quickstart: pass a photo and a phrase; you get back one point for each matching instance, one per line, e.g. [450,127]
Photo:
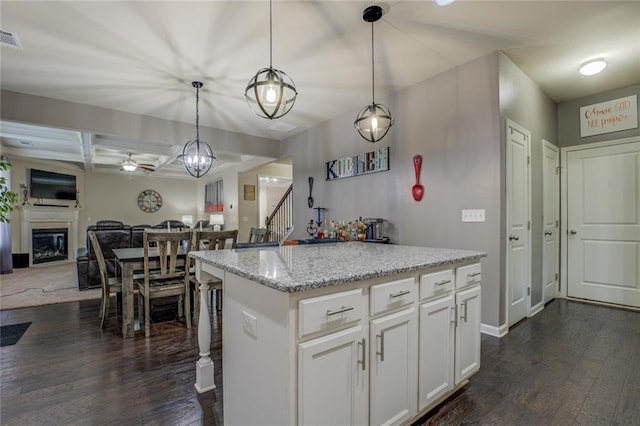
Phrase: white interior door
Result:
[550,219]
[518,223]
[603,223]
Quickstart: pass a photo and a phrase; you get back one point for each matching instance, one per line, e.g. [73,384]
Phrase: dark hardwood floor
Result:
[572,363]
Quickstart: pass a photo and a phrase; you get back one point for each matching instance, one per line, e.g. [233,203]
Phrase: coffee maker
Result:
[375,229]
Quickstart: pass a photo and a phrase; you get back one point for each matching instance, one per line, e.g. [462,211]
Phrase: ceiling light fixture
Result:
[373,121]
[442,3]
[271,93]
[197,156]
[129,164]
[593,67]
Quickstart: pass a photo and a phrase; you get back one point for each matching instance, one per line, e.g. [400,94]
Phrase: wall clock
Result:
[149,201]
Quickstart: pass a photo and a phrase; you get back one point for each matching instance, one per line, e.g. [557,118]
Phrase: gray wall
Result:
[522,101]
[569,118]
[452,120]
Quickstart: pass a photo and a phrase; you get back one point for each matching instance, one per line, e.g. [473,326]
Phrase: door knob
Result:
[573,232]
[548,233]
[513,237]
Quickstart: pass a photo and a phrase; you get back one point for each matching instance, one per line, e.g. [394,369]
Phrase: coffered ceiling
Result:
[141,56]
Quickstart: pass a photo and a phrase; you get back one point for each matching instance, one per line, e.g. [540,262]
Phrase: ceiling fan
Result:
[130,165]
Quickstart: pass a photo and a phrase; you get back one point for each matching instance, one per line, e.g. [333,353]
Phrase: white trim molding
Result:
[494,331]
[536,309]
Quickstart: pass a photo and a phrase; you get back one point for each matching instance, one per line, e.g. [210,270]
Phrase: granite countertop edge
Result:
[329,282]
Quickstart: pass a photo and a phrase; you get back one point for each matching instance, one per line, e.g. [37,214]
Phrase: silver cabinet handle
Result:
[443,282]
[455,315]
[400,293]
[473,274]
[381,353]
[340,310]
[548,233]
[573,232]
[364,354]
[465,311]
[513,237]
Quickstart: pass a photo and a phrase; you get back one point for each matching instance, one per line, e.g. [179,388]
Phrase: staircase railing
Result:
[280,222]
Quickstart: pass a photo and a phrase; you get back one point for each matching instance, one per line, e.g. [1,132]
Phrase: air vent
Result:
[10,40]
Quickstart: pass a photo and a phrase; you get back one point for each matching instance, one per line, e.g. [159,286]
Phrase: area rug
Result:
[11,334]
[42,285]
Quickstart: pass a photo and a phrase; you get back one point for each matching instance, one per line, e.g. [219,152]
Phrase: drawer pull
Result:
[400,293]
[340,310]
[443,282]
[473,274]
[364,354]
[381,353]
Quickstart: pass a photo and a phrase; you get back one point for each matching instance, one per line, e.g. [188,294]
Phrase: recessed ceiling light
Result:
[442,3]
[593,67]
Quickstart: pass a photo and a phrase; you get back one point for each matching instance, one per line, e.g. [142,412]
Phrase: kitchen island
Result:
[344,333]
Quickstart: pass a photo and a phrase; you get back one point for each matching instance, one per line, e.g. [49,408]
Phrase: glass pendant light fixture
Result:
[373,121]
[197,156]
[271,93]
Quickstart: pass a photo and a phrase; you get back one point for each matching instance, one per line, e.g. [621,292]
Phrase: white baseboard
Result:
[535,309]
[494,331]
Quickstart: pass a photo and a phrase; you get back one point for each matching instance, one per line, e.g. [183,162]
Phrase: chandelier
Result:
[271,93]
[373,121]
[197,156]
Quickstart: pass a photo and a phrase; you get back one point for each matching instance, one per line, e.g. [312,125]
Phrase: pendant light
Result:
[271,93]
[197,156]
[373,121]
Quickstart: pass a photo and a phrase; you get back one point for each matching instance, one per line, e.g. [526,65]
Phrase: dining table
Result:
[131,263]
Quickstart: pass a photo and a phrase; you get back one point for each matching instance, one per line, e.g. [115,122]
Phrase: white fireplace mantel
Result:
[39,217]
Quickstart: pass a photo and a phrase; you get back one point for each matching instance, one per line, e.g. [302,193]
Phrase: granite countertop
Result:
[304,267]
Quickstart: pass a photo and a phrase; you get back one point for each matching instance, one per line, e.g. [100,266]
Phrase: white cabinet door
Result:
[332,379]
[467,360]
[393,355]
[437,331]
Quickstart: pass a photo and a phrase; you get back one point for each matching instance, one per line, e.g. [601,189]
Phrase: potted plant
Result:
[7,198]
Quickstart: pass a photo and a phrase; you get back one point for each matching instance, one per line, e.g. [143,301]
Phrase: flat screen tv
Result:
[52,185]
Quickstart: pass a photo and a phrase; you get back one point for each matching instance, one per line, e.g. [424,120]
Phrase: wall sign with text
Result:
[610,116]
[359,164]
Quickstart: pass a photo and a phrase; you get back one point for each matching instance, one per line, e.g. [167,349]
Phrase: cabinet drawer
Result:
[468,275]
[325,313]
[436,283]
[392,295]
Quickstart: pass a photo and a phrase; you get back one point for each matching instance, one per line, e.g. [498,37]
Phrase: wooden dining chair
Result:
[257,235]
[210,240]
[171,278]
[109,284]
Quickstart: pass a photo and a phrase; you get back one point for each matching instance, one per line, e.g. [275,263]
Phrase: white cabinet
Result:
[332,379]
[437,331]
[393,357]
[467,347]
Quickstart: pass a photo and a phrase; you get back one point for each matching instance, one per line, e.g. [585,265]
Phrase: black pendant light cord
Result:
[197,114]
[373,73]
[270,35]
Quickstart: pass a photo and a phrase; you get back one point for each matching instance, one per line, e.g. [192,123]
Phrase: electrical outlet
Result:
[250,324]
[476,215]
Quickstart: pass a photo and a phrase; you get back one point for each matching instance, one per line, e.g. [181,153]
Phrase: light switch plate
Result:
[474,215]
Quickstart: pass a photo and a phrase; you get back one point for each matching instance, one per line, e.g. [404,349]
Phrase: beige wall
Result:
[453,121]
[109,196]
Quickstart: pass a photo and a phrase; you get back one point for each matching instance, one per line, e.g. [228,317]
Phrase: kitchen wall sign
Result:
[611,116]
[359,164]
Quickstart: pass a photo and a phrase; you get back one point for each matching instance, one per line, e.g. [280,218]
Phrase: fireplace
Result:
[49,245]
